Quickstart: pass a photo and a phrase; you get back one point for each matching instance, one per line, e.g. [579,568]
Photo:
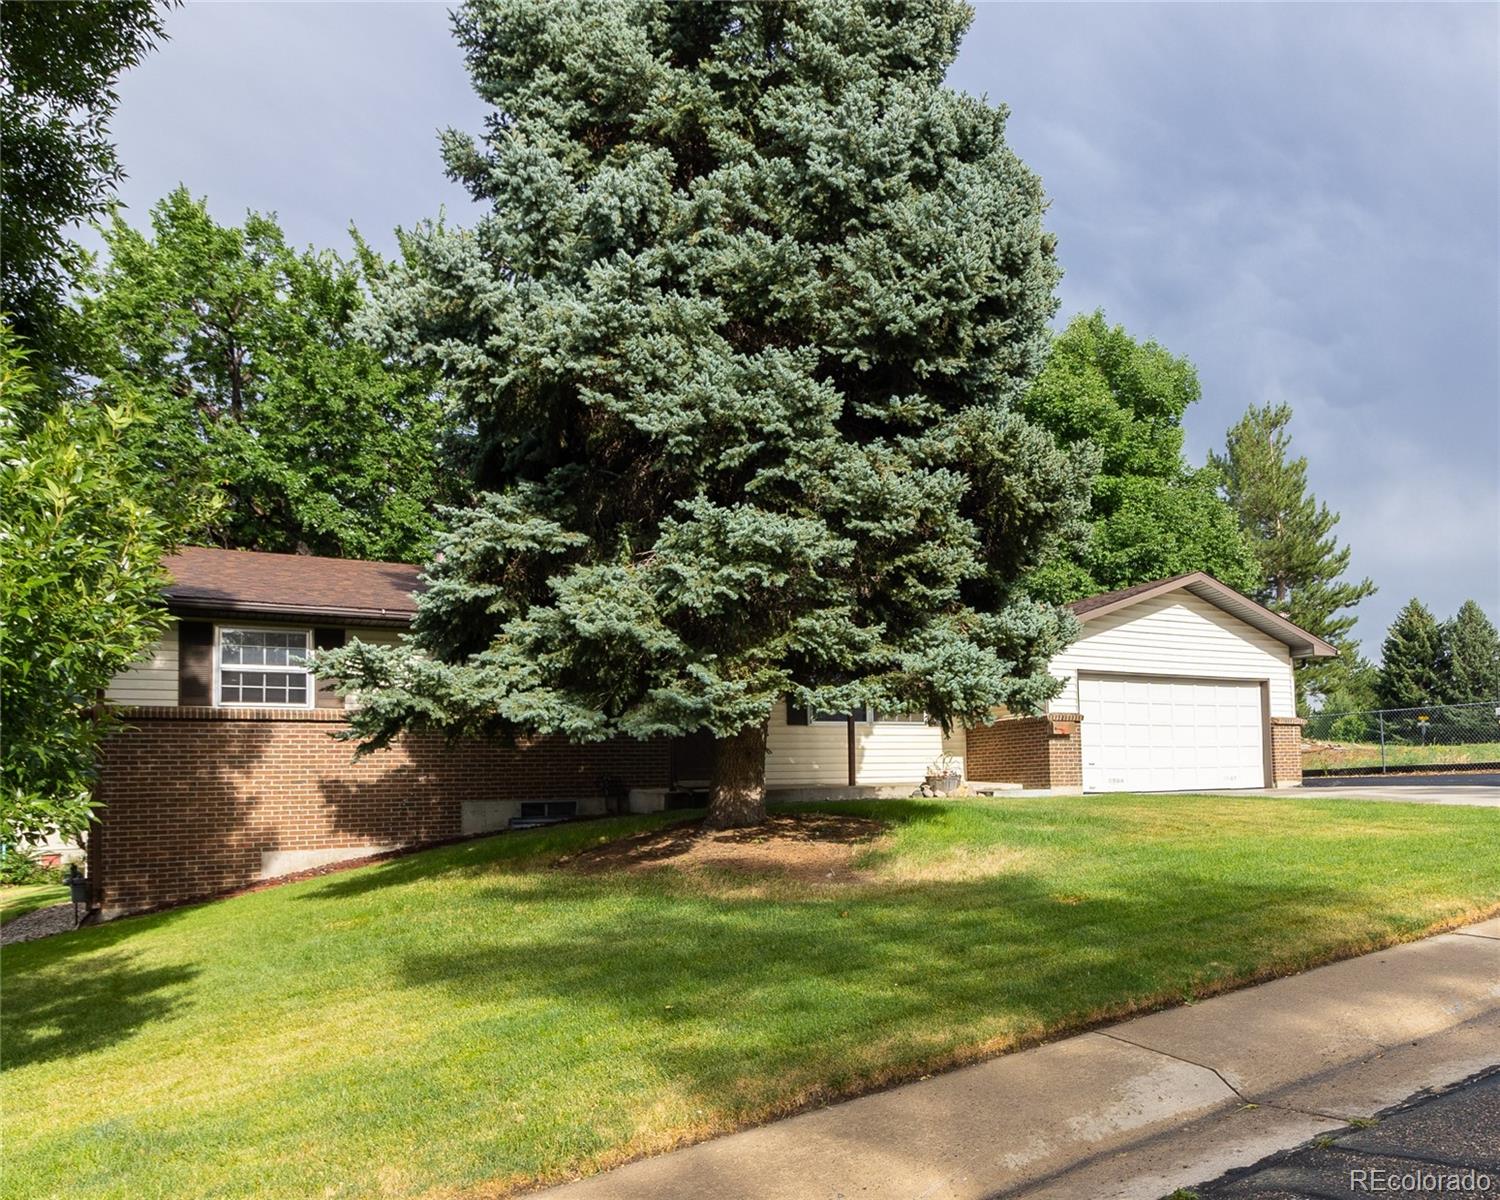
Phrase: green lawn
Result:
[1358,754]
[19,899]
[473,1018]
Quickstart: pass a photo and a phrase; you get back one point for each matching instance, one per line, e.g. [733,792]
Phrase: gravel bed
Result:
[44,922]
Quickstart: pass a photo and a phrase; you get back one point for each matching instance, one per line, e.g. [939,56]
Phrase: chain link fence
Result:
[1402,739]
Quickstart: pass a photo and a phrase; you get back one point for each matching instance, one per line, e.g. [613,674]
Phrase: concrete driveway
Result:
[1478,787]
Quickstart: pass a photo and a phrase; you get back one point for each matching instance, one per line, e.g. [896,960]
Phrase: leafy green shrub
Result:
[80,585]
[1351,727]
[22,866]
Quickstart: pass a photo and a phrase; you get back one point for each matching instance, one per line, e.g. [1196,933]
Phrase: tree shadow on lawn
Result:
[518,850]
[759,1006]
[536,849]
[65,998]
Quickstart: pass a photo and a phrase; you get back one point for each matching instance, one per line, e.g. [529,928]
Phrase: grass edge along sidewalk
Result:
[1136,1108]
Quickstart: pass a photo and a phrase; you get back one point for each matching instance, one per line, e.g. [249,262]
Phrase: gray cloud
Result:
[1305,200]
[322,113]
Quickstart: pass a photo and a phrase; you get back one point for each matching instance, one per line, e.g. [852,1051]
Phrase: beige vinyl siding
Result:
[885,752]
[370,635]
[374,636]
[1176,635]
[956,746]
[151,681]
[805,755]
[895,751]
[382,635]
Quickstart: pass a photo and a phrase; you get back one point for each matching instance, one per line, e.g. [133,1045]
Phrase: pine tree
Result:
[738,341]
[1473,656]
[1358,684]
[1302,564]
[1414,669]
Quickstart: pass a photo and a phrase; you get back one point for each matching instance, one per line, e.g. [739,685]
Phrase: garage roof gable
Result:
[1203,585]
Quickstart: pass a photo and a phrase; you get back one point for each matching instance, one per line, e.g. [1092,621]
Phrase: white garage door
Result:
[1159,735]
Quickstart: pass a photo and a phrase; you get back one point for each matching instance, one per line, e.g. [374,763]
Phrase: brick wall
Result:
[198,800]
[1286,750]
[1065,751]
[1036,752]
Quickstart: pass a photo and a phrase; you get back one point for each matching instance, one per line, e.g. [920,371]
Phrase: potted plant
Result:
[943,776]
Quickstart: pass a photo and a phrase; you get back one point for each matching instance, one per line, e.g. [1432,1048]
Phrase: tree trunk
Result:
[737,797]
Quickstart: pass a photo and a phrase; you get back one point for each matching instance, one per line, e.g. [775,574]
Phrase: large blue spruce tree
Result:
[737,341]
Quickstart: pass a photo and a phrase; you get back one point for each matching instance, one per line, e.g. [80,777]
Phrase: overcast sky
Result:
[1304,200]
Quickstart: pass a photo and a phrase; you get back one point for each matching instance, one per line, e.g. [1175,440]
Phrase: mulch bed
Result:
[809,847]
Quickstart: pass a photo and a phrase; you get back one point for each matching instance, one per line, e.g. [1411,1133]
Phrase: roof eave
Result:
[1299,642]
[211,606]
[1161,589]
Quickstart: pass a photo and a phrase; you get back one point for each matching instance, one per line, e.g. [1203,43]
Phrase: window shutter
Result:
[796,715]
[325,696]
[195,663]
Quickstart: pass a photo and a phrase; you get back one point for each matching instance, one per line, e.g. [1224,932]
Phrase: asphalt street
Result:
[1456,779]
[1445,1146]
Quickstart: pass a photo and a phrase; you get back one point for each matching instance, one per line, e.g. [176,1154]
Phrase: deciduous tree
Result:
[80,587]
[247,350]
[740,338]
[58,66]
[1153,515]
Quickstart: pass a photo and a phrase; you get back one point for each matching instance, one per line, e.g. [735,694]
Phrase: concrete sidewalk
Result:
[1130,1111]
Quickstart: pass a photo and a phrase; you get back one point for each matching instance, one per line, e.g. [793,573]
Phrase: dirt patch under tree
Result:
[807,847]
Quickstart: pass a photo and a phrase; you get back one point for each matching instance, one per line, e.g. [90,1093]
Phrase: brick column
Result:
[1036,752]
[1286,751]
[1065,750]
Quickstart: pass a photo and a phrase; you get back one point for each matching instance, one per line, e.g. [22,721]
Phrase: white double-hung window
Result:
[263,667]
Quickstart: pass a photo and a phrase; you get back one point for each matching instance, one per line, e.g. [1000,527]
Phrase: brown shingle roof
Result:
[291,585]
[1103,599]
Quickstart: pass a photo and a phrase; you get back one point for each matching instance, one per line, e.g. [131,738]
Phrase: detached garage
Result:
[1182,685]
[1178,685]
